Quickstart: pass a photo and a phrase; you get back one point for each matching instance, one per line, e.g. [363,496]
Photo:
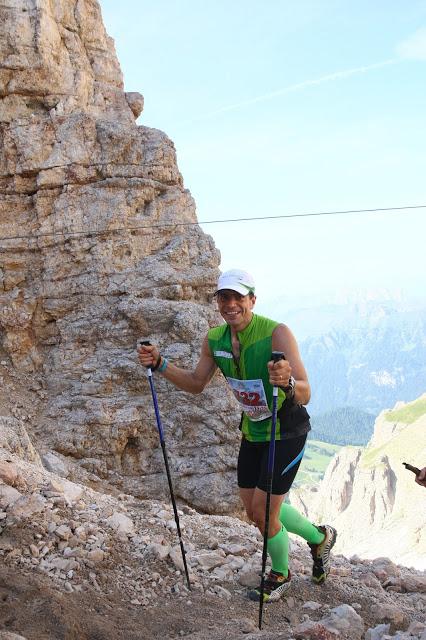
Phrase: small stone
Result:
[26,506]
[235,563]
[8,496]
[211,559]
[223,573]
[54,464]
[247,626]
[55,486]
[63,532]
[249,579]
[312,606]
[341,571]
[234,549]
[121,524]
[387,613]
[413,584]
[416,628]
[222,592]
[163,515]
[159,550]
[77,552]
[377,632]
[213,543]
[8,473]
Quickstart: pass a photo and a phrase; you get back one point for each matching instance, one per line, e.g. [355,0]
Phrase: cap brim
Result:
[241,289]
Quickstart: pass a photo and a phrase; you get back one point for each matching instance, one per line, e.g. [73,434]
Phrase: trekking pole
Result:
[276,356]
[166,463]
[411,468]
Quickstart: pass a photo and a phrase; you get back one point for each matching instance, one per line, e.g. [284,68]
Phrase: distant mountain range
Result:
[372,356]
[361,358]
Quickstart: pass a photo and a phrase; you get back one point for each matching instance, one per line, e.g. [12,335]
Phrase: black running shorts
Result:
[253,464]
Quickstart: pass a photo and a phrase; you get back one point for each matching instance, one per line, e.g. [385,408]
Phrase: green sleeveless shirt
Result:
[255,352]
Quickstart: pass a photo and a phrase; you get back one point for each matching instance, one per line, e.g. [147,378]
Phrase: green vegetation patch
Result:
[408,414]
[344,425]
[407,445]
[315,461]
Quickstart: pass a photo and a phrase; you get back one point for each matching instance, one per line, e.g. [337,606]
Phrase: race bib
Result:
[252,398]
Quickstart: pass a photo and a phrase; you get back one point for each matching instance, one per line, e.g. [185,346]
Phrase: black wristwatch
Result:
[290,388]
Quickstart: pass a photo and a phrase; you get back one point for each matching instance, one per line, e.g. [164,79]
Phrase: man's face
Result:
[235,309]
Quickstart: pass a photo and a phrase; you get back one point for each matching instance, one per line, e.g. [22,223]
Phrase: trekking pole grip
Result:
[146,343]
[277,356]
[143,343]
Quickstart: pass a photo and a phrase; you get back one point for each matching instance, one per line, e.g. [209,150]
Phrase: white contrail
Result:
[338,75]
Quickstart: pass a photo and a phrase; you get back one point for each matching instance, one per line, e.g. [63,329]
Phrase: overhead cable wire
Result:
[162,225]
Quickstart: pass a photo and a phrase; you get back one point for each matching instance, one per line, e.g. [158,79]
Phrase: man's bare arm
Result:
[191,381]
[280,372]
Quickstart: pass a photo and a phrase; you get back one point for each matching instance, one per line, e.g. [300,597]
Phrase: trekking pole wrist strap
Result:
[163,365]
[157,364]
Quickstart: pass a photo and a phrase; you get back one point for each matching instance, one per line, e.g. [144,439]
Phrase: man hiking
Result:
[241,348]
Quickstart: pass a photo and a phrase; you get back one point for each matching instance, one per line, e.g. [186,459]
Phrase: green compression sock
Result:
[294,522]
[278,550]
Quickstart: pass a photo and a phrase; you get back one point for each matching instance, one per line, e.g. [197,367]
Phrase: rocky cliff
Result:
[98,246]
[370,497]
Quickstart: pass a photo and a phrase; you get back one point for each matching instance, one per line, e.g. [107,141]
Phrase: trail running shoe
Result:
[275,586]
[321,554]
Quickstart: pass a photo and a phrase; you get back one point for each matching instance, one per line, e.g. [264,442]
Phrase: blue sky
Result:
[279,107]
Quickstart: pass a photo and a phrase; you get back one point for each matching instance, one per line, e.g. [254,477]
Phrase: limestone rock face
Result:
[94,253]
[370,497]
[14,439]
[57,58]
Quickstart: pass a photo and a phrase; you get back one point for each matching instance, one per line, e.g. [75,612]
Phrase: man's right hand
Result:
[421,477]
[148,354]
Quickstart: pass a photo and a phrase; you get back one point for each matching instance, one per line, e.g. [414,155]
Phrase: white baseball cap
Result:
[236,280]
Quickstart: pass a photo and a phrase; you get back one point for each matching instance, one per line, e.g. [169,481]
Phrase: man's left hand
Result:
[279,373]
